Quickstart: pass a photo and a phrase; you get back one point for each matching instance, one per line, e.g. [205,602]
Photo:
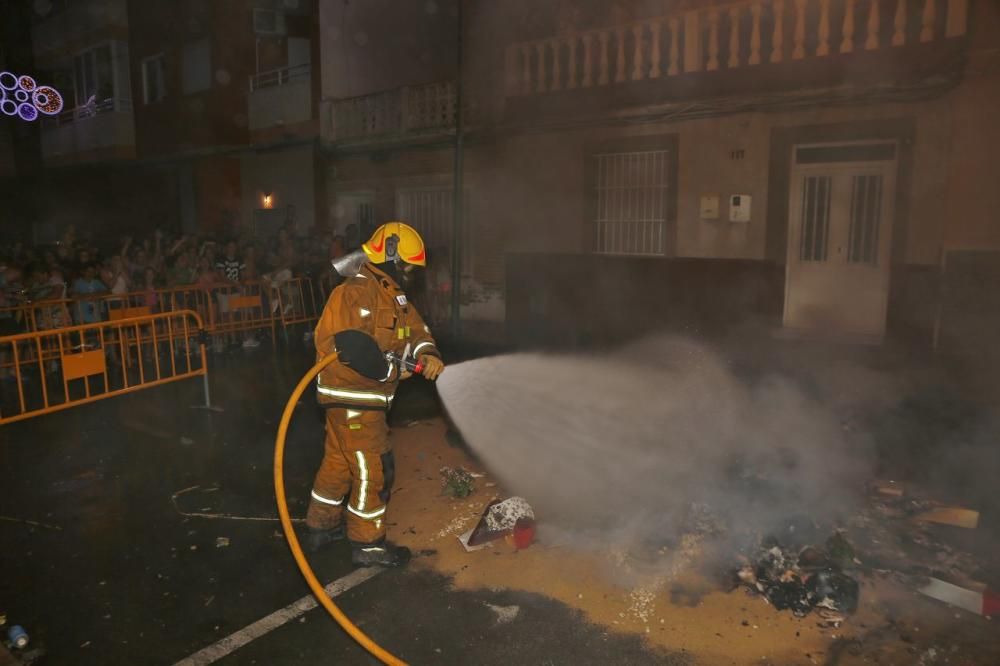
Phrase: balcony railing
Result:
[280,98]
[280,77]
[727,36]
[109,105]
[401,111]
[88,130]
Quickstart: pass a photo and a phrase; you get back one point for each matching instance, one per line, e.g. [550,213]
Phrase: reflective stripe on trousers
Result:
[363,491]
[319,498]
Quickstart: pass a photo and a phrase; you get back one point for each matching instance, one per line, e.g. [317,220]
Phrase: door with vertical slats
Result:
[839,238]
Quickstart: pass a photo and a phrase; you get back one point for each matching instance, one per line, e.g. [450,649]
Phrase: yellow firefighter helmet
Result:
[395,241]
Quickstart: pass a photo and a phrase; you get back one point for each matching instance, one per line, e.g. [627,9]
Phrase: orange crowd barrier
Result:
[240,307]
[43,372]
[35,316]
[297,301]
[225,308]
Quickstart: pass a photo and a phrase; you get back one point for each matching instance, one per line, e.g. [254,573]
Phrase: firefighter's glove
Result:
[433,366]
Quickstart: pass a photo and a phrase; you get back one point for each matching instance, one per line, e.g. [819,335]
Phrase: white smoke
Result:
[622,445]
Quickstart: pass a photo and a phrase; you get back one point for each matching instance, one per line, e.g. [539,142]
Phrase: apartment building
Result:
[188,115]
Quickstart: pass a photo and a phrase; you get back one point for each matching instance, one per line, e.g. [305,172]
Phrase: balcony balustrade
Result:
[736,36]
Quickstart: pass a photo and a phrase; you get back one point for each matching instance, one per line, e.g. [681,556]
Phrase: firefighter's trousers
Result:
[355,478]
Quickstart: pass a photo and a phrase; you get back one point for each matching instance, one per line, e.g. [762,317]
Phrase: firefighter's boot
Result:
[381,553]
[316,539]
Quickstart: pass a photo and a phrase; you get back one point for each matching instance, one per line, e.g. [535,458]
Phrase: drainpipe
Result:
[457,194]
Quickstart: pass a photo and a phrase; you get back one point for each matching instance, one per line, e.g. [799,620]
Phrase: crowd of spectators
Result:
[76,266]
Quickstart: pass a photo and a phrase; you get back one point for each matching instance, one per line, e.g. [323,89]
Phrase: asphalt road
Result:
[116,574]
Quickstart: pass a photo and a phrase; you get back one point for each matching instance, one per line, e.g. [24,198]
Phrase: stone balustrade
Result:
[742,34]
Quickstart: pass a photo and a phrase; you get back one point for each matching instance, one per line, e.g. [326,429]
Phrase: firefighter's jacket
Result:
[371,302]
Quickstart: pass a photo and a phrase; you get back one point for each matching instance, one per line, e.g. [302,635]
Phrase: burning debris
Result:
[803,580]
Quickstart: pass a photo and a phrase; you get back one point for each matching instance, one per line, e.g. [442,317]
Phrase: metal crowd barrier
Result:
[225,308]
[48,371]
[36,316]
[239,307]
[299,301]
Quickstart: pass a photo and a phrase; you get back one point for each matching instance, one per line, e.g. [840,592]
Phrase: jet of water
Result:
[623,445]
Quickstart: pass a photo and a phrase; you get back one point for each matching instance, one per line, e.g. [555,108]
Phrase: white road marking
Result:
[276,619]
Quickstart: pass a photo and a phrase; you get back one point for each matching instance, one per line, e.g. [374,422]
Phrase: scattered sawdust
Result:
[454,527]
[722,627]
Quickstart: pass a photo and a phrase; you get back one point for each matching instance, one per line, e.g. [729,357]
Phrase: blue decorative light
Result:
[27,112]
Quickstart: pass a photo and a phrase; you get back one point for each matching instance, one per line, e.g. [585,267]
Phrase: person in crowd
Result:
[51,260]
[232,269]
[230,266]
[182,272]
[63,254]
[118,274]
[82,259]
[278,279]
[87,285]
[249,273]
[47,285]
[150,297]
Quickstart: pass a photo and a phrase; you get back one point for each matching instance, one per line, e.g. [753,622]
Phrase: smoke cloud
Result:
[618,448]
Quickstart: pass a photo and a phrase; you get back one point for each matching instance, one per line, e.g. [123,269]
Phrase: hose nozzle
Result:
[405,363]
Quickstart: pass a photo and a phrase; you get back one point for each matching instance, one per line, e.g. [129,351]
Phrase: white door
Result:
[839,240]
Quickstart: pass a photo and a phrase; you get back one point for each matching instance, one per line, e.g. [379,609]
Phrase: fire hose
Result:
[286,522]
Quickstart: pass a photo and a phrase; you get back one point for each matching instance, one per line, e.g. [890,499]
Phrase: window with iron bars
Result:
[632,202]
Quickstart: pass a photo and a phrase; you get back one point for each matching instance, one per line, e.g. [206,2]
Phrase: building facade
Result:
[181,114]
[816,166]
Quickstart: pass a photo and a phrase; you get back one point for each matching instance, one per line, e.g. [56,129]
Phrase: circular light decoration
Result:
[27,112]
[20,95]
[47,100]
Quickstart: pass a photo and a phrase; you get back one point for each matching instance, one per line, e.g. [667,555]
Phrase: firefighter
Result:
[366,317]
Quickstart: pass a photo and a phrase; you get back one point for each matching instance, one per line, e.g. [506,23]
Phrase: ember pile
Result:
[805,579]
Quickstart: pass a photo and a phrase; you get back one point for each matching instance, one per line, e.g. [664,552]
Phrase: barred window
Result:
[428,210]
[866,217]
[815,218]
[632,202]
